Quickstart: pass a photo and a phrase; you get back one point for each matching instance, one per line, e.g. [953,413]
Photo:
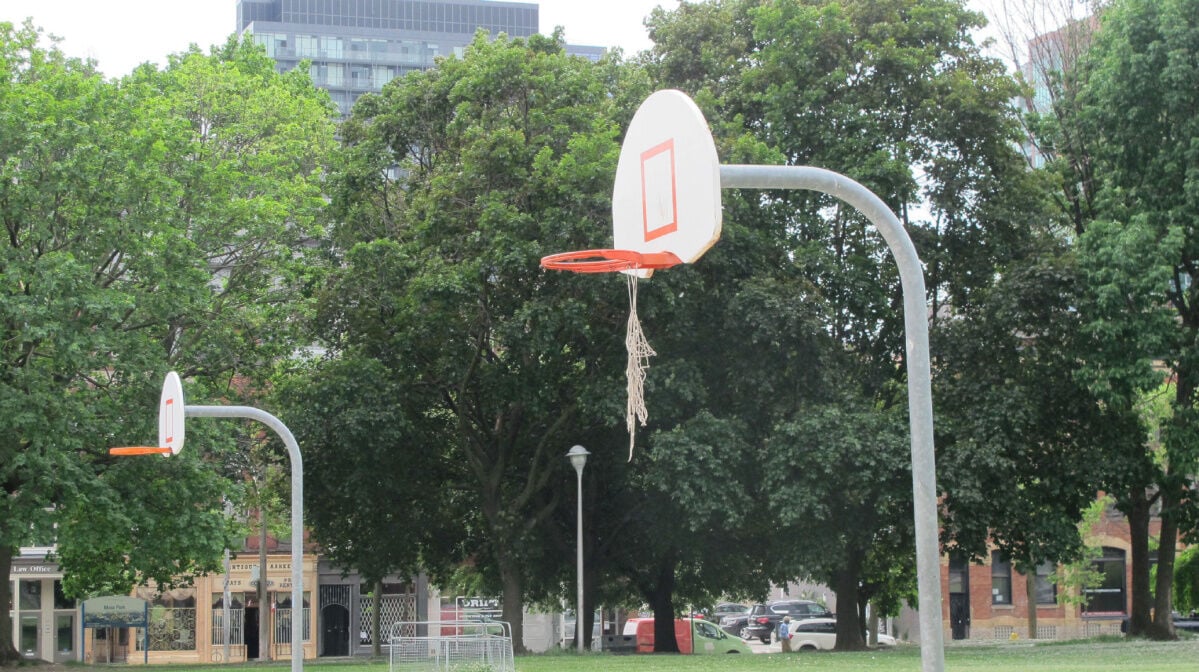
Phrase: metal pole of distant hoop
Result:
[920,405]
[297,512]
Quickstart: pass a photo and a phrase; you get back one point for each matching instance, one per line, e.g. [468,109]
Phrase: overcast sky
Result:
[121,34]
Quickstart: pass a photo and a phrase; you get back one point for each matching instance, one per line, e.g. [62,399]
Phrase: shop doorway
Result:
[335,635]
[959,596]
[251,632]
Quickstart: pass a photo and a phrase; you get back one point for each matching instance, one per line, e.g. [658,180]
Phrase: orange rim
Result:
[139,450]
[608,261]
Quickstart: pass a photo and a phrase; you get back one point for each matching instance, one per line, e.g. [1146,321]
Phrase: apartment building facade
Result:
[357,46]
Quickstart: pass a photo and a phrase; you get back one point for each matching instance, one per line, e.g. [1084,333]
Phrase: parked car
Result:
[1188,623]
[694,635]
[821,634]
[727,609]
[764,619]
[734,622]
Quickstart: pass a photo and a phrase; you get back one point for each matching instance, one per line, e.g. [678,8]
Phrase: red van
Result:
[710,639]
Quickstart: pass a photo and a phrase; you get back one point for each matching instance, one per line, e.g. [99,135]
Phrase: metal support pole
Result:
[920,404]
[578,459]
[297,513]
[579,620]
[225,611]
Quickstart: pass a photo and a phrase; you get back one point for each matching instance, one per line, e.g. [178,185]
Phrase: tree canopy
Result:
[146,221]
[1121,137]
[454,183]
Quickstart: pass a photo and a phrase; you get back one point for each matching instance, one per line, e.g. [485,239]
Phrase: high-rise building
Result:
[1051,56]
[357,46]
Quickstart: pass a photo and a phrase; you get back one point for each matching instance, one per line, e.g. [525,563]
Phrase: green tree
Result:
[895,95]
[864,453]
[355,423]
[146,220]
[1138,253]
[1186,581]
[455,182]
[1013,419]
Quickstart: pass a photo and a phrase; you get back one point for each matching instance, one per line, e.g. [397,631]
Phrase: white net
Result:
[450,646]
[638,362]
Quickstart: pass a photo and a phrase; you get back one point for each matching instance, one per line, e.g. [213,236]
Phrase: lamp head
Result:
[578,458]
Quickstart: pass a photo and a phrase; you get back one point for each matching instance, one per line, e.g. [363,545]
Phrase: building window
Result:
[307,46]
[1108,597]
[360,76]
[331,47]
[31,594]
[64,634]
[381,75]
[1046,589]
[1001,579]
[958,571]
[237,617]
[172,619]
[283,617]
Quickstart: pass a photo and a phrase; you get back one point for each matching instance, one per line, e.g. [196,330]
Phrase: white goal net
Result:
[450,646]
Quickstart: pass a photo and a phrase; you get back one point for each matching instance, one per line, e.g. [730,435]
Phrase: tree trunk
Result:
[264,610]
[849,625]
[662,602]
[514,605]
[1138,529]
[1030,595]
[588,621]
[8,651]
[1163,607]
[872,626]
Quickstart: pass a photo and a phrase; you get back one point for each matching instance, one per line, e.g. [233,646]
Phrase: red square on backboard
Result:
[659,196]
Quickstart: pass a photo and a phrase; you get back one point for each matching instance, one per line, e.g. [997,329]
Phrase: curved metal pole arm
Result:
[297,512]
[920,404]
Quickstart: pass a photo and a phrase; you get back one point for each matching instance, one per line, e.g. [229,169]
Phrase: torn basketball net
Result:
[638,362]
[639,350]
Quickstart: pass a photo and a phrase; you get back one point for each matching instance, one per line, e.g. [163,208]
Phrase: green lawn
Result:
[1088,656]
[1081,656]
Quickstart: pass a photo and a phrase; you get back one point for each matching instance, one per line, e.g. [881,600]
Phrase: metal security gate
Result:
[450,645]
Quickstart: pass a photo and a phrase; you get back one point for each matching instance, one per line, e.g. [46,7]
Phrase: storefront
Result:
[45,625]
[187,624]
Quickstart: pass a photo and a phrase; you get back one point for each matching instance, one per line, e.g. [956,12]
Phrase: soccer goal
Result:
[450,646]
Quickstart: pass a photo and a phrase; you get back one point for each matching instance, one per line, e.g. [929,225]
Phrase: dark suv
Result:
[764,619]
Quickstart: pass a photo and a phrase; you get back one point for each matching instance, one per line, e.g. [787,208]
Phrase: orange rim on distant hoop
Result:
[608,261]
[140,450]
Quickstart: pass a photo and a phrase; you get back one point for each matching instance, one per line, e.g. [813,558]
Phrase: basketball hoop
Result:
[170,422]
[665,212]
[608,261]
[140,450]
[637,345]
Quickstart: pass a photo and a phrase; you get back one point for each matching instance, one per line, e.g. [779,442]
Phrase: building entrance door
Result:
[250,632]
[959,597]
[31,625]
[335,635]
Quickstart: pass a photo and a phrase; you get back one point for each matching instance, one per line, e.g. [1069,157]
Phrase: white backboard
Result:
[667,192]
[170,414]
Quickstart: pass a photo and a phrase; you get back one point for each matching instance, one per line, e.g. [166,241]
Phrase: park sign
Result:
[115,612]
[118,611]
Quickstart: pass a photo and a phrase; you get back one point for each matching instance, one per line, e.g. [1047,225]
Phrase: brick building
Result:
[991,600]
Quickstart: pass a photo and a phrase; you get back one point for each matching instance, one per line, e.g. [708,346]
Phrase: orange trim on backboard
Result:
[139,450]
[170,422]
[673,224]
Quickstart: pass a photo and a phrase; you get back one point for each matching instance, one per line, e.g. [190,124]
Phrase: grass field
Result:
[1081,656]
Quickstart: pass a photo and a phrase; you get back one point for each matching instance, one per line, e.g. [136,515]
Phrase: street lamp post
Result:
[578,458]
